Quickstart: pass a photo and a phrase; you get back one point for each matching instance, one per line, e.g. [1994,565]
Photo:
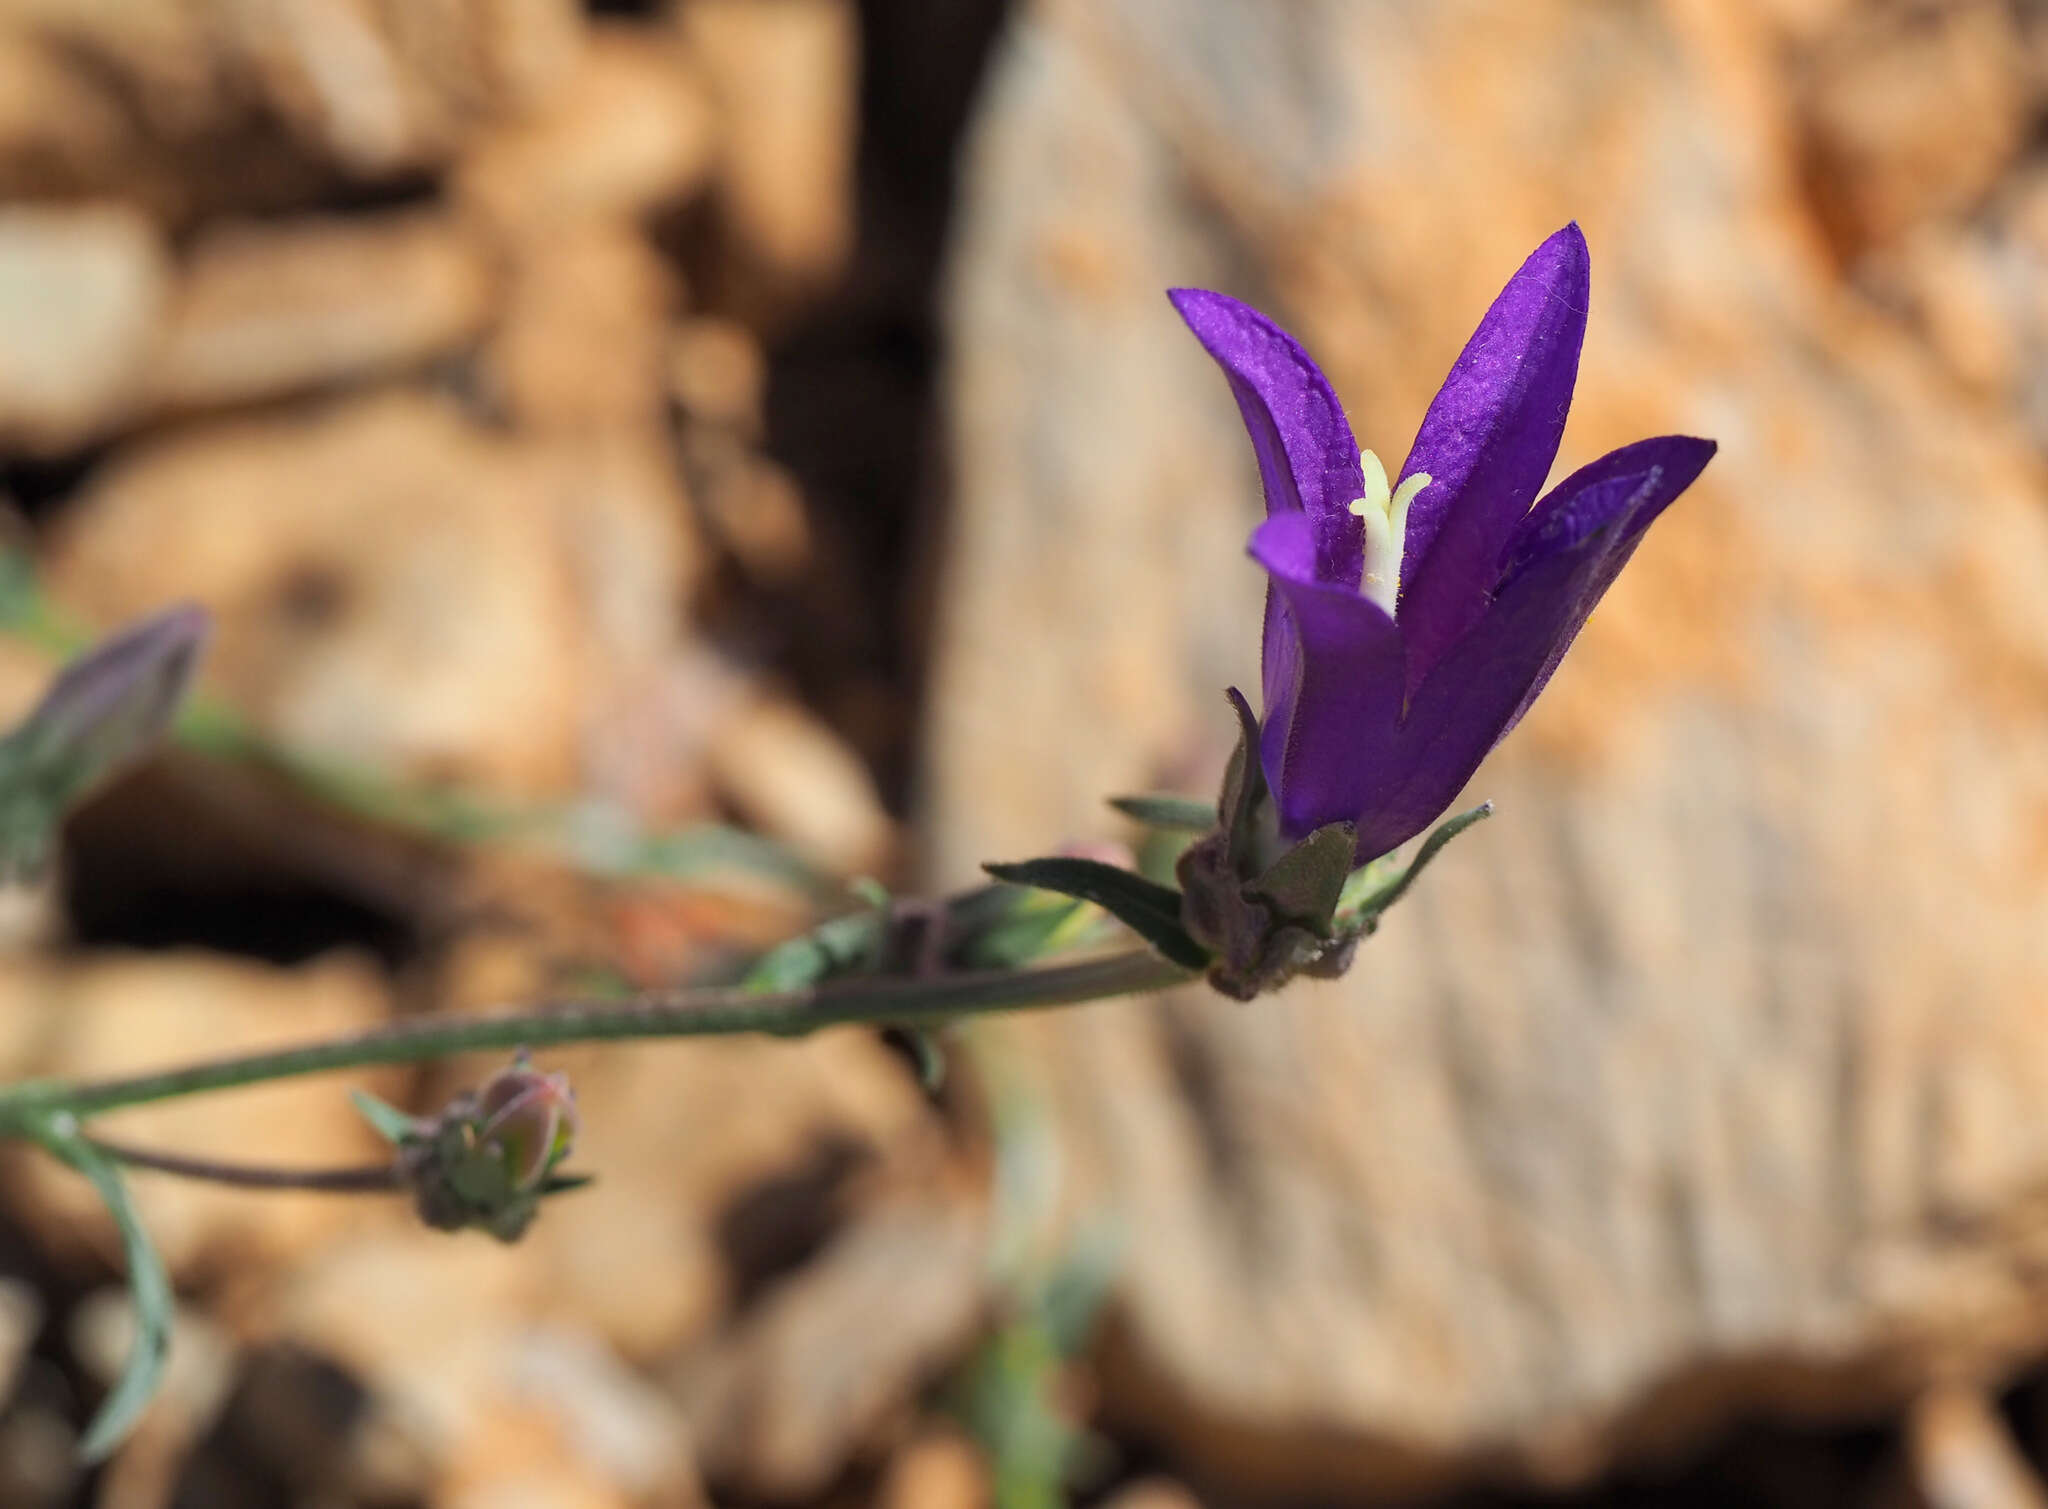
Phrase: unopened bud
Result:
[489,1158]
[530,1122]
[105,710]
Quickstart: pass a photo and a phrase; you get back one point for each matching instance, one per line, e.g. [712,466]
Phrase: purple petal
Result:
[1659,469]
[1308,459]
[1487,443]
[1561,564]
[1334,682]
[1287,540]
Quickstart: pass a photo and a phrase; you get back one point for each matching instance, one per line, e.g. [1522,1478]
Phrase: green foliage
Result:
[1176,813]
[1371,890]
[149,1286]
[386,1120]
[596,840]
[838,946]
[1014,1392]
[1150,910]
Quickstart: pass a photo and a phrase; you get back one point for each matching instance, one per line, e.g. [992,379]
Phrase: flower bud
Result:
[489,1158]
[530,1121]
[105,710]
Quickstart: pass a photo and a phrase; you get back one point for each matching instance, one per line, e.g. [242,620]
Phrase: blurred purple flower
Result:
[105,711]
[1408,628]
[111,703]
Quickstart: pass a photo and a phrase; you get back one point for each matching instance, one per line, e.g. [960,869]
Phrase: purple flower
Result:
[1408,628]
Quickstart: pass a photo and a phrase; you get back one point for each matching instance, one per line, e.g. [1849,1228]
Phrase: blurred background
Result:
[652,461]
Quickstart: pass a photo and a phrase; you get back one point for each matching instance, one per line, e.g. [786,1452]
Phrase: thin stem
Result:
[372,1178]
[660,1014]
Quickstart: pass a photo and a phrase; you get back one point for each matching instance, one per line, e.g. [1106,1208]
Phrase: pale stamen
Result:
[1384,513]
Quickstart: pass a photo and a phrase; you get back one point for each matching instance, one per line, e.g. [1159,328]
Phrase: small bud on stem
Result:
[489,1158]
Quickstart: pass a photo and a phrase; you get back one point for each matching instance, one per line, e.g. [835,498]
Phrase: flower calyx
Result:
[1265,909]
[1253,909]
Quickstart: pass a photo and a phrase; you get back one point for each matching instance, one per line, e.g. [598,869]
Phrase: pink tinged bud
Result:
[529,1118]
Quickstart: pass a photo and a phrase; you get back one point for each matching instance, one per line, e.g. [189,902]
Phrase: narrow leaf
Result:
[1149,909]
[385,1119]
[148,1285]
[1393,890]
[1007,926]
[837,946]
[1178,814]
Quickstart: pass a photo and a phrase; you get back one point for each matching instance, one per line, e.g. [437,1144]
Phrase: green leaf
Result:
[1149,909]
[385,1119]
[835,947]
[148,1285]
[1007,926]
[1366,912]
[1179,814]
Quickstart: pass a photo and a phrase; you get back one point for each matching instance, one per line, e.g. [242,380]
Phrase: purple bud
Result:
[102,713]
[110,704]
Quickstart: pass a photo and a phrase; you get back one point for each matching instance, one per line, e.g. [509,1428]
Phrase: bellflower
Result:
[1410,625]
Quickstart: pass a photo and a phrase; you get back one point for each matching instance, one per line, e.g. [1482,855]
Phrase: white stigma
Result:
[1385,515]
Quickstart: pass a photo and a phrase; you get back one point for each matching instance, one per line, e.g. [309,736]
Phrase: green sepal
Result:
[1244,783]
[481,1179]
[1263,907]
[149,1286]
[386,1120]
[1305,884]
[1178,814]
[1369,896]
[1149,909]
[509,1221]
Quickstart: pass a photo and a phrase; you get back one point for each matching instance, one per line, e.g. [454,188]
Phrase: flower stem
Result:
[374,1178]
[659,1014]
